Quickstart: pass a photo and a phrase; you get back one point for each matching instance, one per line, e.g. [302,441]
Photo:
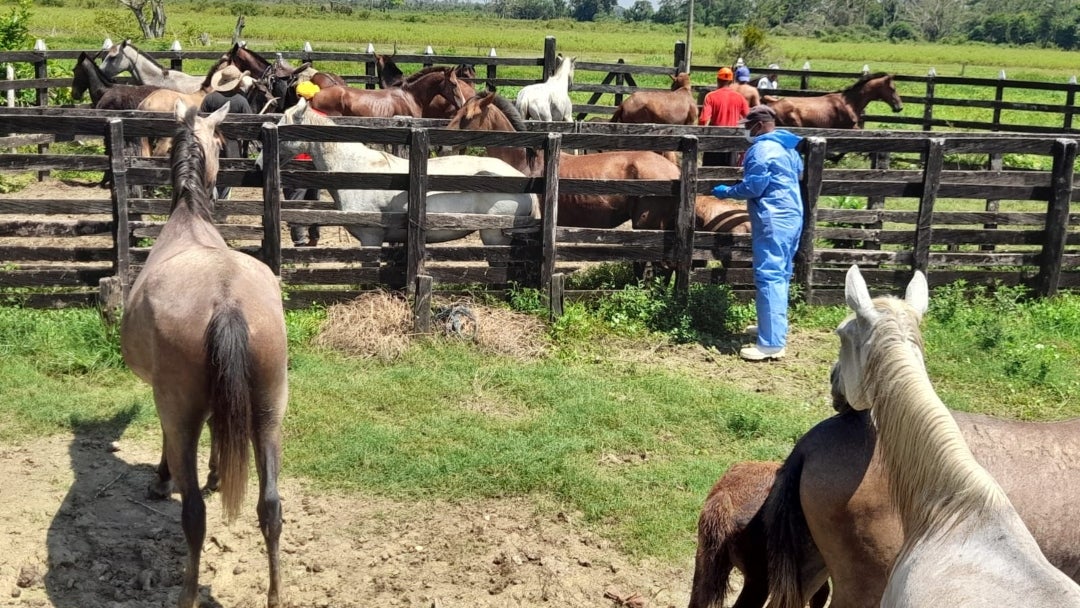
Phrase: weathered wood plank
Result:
[924,223]
[1057,213]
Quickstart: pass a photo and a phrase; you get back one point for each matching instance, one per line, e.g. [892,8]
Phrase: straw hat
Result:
[227,78]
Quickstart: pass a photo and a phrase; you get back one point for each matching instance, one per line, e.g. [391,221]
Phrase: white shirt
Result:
[765,83]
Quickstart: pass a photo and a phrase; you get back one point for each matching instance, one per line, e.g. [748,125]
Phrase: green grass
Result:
[633,447]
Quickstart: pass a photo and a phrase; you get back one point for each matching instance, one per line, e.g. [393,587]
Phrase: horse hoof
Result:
[159,490]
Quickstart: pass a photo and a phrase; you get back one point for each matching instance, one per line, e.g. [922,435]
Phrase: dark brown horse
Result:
[204,326]
[491,112]
[829,514]
[390,75]
[433,93]
[674,107]
[104,93]
[278,79]
[731,534]
[840,110]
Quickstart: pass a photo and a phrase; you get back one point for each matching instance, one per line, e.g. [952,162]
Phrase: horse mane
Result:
[143,53]
[934,479]
[861,82]
[188,161]
[507,107]
[431,69]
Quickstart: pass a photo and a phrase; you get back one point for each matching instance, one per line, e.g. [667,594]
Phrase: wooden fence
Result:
[619,80]
[1012,227]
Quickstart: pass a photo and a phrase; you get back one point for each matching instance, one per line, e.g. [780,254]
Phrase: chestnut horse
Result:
[829,513]
[432,93]
[491,112]
[104,93]
[390,75]
[731,534]
[674,107]
[204,326]
[840,110]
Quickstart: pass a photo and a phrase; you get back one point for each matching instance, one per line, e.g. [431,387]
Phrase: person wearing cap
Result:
[723,107]
[228,87]
[304,235]
[742,74]
[771,169]
[769,81]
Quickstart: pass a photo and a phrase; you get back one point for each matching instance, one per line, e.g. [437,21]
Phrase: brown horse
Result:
[434,93]
[278,78]
[829,515]
[731,534]
[390,75]
[491,112]
[840,110]
[204,326]
[104,93]
[674,107]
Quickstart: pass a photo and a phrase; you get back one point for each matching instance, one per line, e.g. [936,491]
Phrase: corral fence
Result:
[998,226]
[620,80]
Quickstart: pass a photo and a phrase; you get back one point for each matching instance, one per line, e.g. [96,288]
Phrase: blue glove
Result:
[720,191]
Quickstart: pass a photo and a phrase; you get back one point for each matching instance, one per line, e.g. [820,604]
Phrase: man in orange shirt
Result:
[723,107]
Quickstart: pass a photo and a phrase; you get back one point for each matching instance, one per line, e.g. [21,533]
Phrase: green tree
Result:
[15,29]
[642,10]
[670,11]
[588,10]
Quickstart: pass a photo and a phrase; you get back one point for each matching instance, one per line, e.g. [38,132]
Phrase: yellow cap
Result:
[307,89]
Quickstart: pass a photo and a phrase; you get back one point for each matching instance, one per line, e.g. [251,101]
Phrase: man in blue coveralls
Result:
[771,170]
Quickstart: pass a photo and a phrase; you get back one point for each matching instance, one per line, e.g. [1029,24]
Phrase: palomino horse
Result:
[674,107]
[124,57]
[731,534]
[828,514]
[964,542]
[841,110]
[491,112]
[104,93]
[204,326]
[431,93]
[354,156]
[549,100]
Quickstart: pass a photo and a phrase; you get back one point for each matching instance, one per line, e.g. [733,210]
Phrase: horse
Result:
[840,110]
[964,543]
[431,93]
[278,78]
[731,534]
[390,75]
[828,514]
[204,326]
[354,156]
[549,100]
[104,93]
[124,57]
[674,107]
[492,112]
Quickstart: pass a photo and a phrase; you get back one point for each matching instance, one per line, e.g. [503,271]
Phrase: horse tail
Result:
[787,535]
[717,533]
[228,357]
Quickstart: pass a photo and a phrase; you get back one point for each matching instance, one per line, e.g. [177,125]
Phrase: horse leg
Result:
[162,487]
[267,445]
[181,452]
[213,480]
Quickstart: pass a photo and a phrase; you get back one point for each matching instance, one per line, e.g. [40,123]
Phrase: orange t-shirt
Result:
[723,108]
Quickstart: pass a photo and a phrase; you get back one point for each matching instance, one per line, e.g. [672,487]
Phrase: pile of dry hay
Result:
[380,324]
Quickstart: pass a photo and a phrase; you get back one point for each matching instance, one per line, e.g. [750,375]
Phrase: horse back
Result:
[823,111]
[712,214]
[350,101]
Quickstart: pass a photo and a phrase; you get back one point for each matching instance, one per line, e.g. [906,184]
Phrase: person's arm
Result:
[755,178]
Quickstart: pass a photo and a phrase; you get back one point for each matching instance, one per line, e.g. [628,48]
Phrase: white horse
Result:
[964,544]
[549,100]
[343,157]
[124,57]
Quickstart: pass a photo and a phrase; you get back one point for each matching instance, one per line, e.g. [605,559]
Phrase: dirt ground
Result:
[82,533]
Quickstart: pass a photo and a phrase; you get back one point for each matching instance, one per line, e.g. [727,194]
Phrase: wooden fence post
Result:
[271,170]
[935,155]
[804,78]
[41,71]
[492,73]
[1057,218]
[620,80]
[999,96]
[680,57]
[10,71]
[1070,102]
[369,68]
[556,295]
[928,107]
[419,150]
[422,304]
[177,62]
[121,228]
[810,188]
[684,220]
[549,58]
[549,210]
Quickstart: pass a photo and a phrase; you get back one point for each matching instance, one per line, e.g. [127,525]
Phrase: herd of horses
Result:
[894,501]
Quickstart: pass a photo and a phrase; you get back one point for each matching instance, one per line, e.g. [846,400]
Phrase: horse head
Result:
[680,81]
[465,71]
[116,59]
[387,72]
[875,87]
[196,138]
[873,323]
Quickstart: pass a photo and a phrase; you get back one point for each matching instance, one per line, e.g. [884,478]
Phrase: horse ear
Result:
[857,295]
[218,115]
[185,114]
[917,294]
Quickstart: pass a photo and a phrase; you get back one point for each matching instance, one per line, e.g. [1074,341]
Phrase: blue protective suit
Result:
[770,182]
